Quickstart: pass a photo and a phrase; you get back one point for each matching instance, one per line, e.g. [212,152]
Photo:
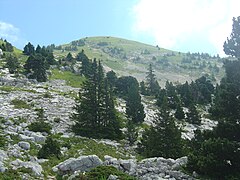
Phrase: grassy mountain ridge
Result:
[128,57]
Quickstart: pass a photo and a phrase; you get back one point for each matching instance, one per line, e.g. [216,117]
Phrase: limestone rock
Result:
[36,168]
[82,163]
[24,145]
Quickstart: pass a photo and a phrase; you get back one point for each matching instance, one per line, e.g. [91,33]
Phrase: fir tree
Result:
[192,115]
[134,107]
[179,114]
[36,67]
[163,139]
[152,84]
[12,64]
[95,114]
[29,49]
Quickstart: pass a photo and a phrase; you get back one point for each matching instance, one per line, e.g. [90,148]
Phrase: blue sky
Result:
[187,25]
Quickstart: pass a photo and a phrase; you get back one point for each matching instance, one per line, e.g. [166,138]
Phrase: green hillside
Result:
[128,57]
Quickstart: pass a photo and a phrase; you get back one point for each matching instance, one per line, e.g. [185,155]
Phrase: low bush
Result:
[49,149]
[40,126]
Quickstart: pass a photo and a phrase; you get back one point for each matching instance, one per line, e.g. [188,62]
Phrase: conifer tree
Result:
[95,115]
[86,64]
[29,49]
[163,139]
[232,45]
[179,114]
[192,115]
[152,84]
[36,67]
[134,107]
[12,64]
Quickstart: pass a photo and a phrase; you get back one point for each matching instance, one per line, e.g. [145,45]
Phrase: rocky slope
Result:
[57,99]
[19,100]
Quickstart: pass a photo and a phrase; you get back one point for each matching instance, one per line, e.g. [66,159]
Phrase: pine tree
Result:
[36,66]
[163,139]
[134,107]
[192,115]
[143,89]
[29,49]
[95,115]
[152,84]
[12,64]
[179,114]
[86,64]
[131,133]
[232,45]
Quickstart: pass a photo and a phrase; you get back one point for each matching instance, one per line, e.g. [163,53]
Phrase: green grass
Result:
[20,104]
[71,79]
[12,88]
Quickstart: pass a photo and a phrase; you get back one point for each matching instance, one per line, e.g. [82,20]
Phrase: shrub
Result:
[20,104]
[40,126]
[49,149]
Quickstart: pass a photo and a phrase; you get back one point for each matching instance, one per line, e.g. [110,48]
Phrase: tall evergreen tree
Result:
[12,64]
[232,45]
[163,139]
[29,49]
[35,66]
[218,156]
[152,84]
[134,107]
[192,115]
[86,63]
[95,115]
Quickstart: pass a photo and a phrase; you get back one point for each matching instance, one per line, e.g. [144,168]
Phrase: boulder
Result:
[26,138]
[180,162]
[82,163]
[128,165]
[24,145]
[35,167]
[2,167]
[38,137]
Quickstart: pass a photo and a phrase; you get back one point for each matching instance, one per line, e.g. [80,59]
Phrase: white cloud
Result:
[9,32]
[172,22]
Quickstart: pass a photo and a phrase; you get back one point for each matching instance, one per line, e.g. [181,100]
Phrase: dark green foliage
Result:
[202,89]
[185,92]
[123,84]
[216,154]
[95,113]
[86,64]
[112,79]
[40,125]
[179,114]
[216,158]
[49,149]
[143,89]
[6,46]
[134,107]
[36,67]
[103,172]
[131,133]
[232,45]
[2,141]
[29,49]
[227,100]
[69,57]
[12,64]
[163,139]
[192,115]
[151,82]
